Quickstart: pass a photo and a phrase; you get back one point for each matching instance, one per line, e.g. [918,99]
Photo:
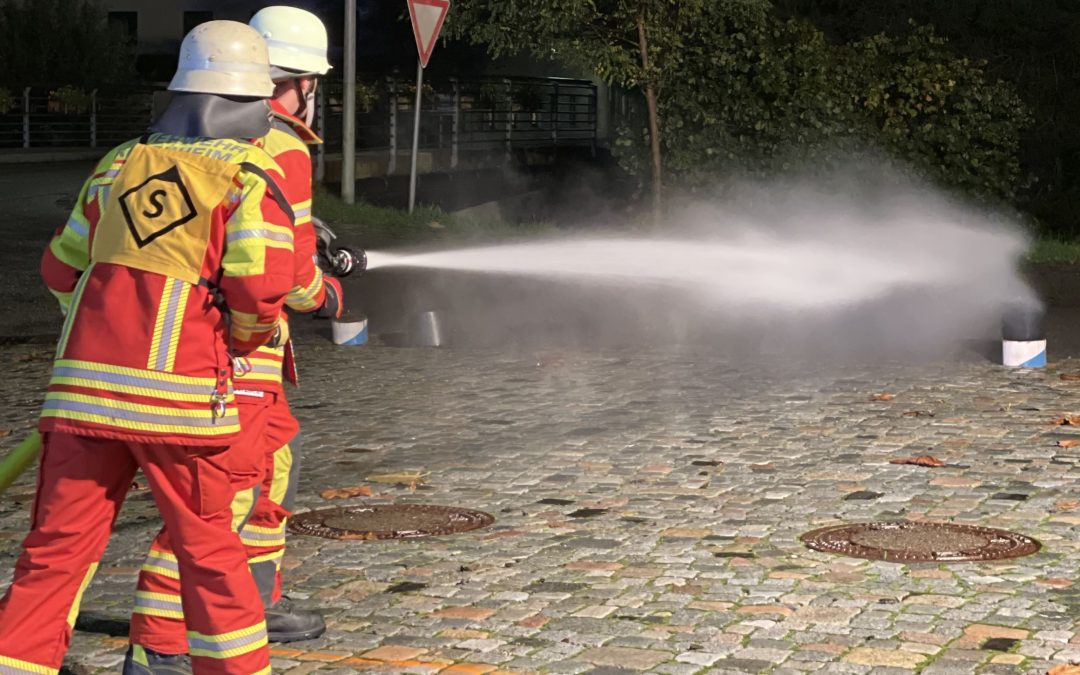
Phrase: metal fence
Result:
[459,116]
[462,116]
[67,117]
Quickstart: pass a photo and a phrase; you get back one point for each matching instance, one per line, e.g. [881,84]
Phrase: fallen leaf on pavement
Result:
[1067,506]
[1070,376]
[347,492]
[5,432]
[918,413]
[882,397]
[1068,421]
[1068,442]
[923,460]
[1067,669]
[409,478]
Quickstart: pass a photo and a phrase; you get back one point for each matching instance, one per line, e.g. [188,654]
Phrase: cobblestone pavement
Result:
[648,511]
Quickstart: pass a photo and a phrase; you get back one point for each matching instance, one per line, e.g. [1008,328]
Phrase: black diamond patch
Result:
[157,206]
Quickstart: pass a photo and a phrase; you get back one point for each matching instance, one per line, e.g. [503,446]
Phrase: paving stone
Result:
[688,571]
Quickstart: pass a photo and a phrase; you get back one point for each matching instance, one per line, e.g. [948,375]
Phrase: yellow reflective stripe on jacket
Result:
[244,324]
[170,319]
[10,666]
[121,380]
[138,417]
[302,299]
[302,212]
[72,309]
[262,234]
[227,645]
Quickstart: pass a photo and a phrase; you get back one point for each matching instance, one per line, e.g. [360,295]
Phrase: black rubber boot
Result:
[285,624]
[140,661]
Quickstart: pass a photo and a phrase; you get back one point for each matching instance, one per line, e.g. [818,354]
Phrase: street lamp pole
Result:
[348,122]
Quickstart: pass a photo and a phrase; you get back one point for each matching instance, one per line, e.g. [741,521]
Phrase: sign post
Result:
[427,20]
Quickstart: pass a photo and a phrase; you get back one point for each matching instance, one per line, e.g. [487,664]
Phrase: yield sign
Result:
[427,20]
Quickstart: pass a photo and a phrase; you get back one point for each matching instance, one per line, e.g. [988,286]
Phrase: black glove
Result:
[335,300]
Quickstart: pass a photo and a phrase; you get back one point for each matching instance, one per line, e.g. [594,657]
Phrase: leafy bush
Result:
[757,95]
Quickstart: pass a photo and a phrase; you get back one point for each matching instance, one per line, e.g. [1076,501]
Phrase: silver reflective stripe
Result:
[299,213]
[77,227]
[258,232]
[263,368]
[14,670]
[198,643]
[262,536]
[130,380]
[169,327]
[163,563]
[61,405]
[151,603]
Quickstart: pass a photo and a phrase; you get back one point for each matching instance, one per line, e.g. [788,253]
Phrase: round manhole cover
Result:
[920,542]
[388,521]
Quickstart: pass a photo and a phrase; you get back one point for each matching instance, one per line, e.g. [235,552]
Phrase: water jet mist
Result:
[787,266]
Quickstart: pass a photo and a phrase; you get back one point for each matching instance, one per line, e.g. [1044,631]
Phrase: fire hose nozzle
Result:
[346,260]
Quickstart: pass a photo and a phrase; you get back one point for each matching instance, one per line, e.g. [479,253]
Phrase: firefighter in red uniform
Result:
[174,261]
[297,43]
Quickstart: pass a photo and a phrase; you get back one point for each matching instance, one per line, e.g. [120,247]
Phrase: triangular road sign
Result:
[427,20]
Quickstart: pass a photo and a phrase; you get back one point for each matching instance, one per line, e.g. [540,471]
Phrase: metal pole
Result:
[416,134]
[455,132]
[348,114]
[391,164]
[509,121]
[26,118]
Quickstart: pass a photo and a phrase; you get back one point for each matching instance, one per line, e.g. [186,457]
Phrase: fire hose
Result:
[19,460]
[340,261]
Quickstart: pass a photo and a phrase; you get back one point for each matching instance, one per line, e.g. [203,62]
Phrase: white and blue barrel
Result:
[1023,337]
[350,329]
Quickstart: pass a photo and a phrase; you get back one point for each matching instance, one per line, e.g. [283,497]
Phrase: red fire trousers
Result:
[261,515]
[81,486]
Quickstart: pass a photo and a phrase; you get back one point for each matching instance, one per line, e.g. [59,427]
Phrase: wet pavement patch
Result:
[587,513]
[388,521]
[1000,644]
[863,495]
[920,542]
[1010,497]
[553,587]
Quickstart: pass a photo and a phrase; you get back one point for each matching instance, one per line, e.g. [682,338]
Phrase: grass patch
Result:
[370,226]
[1051,251]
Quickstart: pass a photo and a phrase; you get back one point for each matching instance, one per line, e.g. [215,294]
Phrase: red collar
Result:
[302,130]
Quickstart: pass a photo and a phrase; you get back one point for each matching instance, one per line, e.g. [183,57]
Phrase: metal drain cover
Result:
[388,521]
[920,542]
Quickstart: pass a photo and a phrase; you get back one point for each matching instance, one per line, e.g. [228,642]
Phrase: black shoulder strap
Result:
[274,189]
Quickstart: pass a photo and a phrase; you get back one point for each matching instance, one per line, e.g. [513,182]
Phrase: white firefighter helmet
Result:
[226,58]
[296,39]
